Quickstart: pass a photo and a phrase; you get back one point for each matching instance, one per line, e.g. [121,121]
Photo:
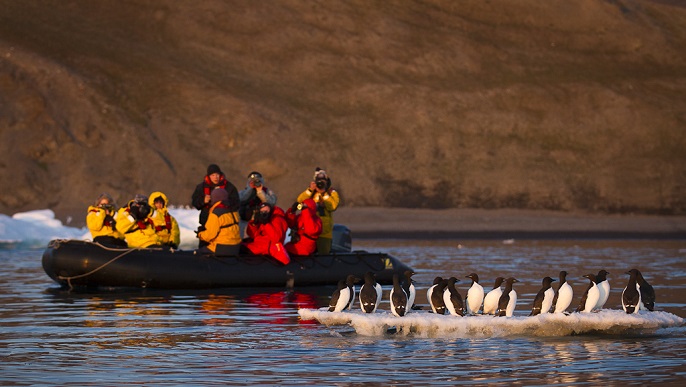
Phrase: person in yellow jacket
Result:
[135,223]
[101,223]
[327,200]
[166,226]
[221,229]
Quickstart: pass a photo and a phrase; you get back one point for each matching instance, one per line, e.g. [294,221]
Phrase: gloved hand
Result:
[294,207]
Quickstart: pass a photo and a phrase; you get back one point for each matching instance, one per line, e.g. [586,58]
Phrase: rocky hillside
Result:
[484,104]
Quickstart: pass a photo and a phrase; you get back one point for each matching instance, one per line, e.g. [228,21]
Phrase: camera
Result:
[321,183]
[256,181]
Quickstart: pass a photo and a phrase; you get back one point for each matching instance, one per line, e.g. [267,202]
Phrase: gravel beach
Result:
[375,222]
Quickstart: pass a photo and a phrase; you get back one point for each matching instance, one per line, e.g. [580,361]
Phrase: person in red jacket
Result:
[266,233]
[305,228]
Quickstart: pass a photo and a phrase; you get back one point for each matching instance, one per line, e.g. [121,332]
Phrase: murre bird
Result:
[453,299]
[435,295]
[508,300]
[647,292]
[370,293]
[603,287]
[563,295]
[491,299]
[544,298]
[338,300]
[350,283]
[590,298]
[631,296]
[398,298]
[409,289]
[475,295]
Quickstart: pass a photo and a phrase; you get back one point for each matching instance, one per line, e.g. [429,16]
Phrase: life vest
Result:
[167,224]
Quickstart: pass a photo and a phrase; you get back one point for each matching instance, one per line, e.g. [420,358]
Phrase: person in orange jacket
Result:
[221,232]
[266,233]
[305,227]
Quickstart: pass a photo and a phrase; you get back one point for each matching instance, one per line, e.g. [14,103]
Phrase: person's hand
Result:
[207,198]
[313,186]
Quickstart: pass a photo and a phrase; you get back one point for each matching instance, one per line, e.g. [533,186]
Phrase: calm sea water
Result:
[49,336]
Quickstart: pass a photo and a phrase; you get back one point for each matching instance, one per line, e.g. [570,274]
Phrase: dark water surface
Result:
[49,336]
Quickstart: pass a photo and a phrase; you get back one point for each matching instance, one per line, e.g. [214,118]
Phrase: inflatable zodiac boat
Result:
[77,263]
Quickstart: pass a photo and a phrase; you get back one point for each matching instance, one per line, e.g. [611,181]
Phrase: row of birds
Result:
[443,295]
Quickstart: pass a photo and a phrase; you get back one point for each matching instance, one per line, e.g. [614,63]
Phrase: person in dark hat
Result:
[134,222]
[202,199]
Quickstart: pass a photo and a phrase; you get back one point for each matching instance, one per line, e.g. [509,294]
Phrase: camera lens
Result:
[321,184]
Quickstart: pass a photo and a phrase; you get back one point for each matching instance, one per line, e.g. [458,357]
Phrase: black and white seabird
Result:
[453,299]
[370,293]
[631,296]
[544,298]
[398,298]
[435,295]
[603,287]
[350,283]
[508,300]
[491,299]
[590,298]
[475,295]
[339,298]
[409,289]
[563,295]
[647,292]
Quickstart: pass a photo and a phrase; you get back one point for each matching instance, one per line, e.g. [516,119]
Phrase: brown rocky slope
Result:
[421,104]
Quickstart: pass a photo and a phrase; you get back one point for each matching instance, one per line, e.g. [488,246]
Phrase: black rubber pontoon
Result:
[76,263]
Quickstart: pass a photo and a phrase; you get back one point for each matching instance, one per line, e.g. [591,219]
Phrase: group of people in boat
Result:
[231,222]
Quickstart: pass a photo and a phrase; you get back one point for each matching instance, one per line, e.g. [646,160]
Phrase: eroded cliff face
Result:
[489,104]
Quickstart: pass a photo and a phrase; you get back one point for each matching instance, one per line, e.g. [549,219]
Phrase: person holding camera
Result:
[166,227]
[266,233]
[220,233]
[201,198]
[134,222]
[305,228]
[326,199]
[101,223]
[254,194]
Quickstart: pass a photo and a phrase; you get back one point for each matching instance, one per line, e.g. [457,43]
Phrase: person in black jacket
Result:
[201,198]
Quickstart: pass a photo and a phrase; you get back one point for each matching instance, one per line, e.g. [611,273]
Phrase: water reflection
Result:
[255,336]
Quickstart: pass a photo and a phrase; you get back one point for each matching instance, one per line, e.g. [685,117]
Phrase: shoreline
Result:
[402,223]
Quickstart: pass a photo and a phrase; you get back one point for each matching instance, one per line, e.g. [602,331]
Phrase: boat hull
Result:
[75,263]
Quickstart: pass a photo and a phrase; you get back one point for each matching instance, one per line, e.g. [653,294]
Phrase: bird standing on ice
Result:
[544,298]
[563,295]
[603,287]
[631,296]
[453,299]
[475,295]
[370,293]
[508,300]
[647,292]
[398,298]
[435,295]
[491,299]
[590,298]
[350,282]
[409,289]
[339,298]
